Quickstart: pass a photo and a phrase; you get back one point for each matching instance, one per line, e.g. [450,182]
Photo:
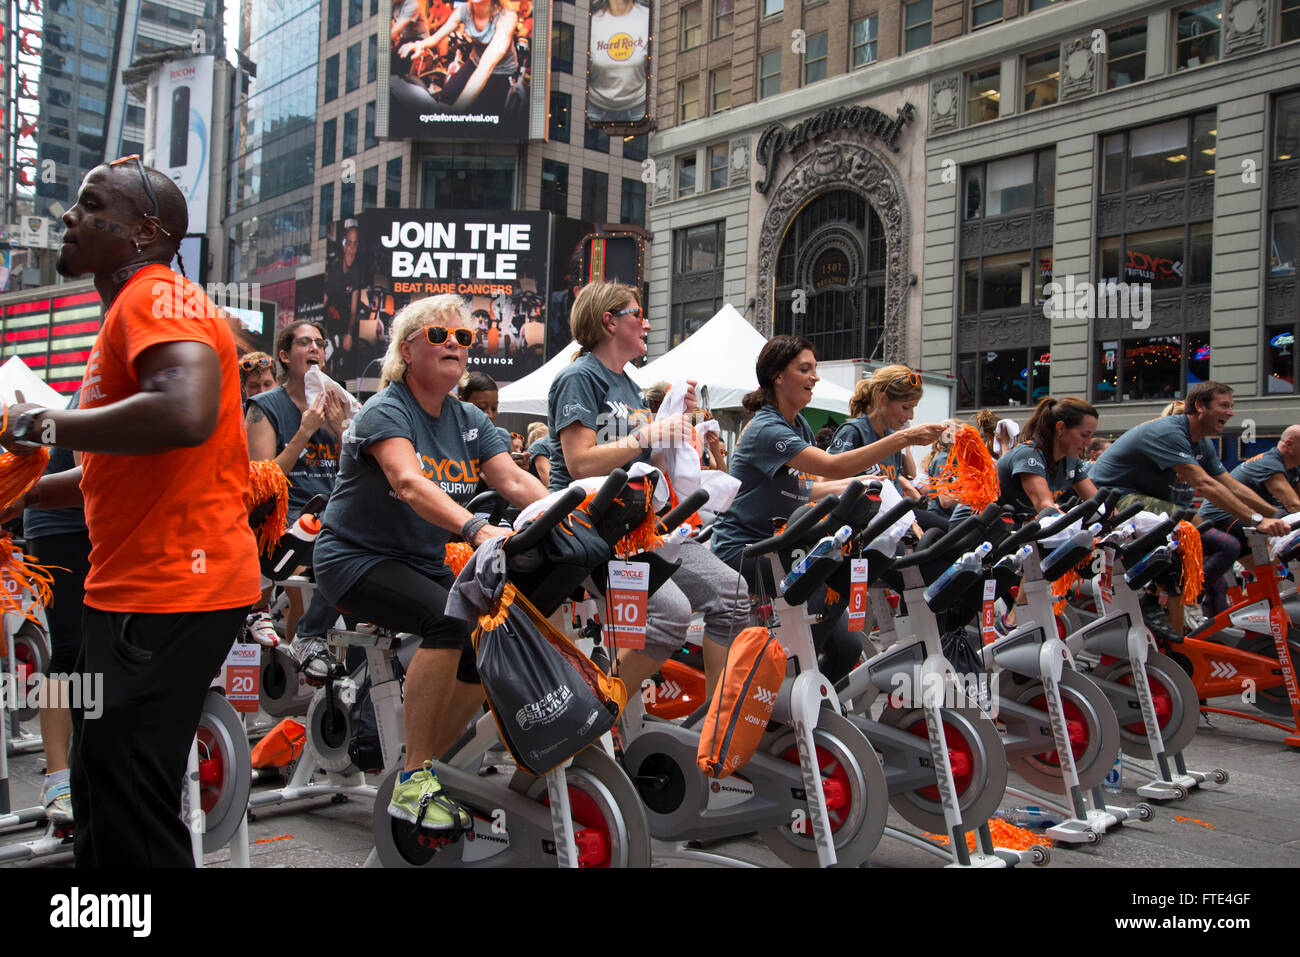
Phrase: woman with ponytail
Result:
[881,408]
[1049,461]
[780,468]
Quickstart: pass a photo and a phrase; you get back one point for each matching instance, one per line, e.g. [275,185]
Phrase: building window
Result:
[334,19]
[467,182]
[347,199]
[636,147]
[772,7]
[864,41]
[1040,4]
[328,141]
[985,13]
[692,19]
[723,12]
[720,90]
[561,47]
[372,58]
[353,68]
[1280,303]
[686,175]
[769,74]
[559,126]
[393,184]
[1154,262]
[370,188]
[983,93]
[356,10]
[595,195]
[1126,55]
[688,95]
[332,78]
[916,25]
[326,208]
[1042,73]
[1162,153]
[717,156]
[1290,19]
[349,133]
[814,62]
[1001,289]
[371,139]
[594,138]
[631,207]
[555,187]
[697,278]
[1198,35]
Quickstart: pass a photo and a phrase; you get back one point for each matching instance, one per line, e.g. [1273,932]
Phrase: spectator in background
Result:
[824,436]
[986,423]
[256,374]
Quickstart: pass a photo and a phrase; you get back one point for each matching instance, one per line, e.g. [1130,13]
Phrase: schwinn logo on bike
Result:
[544,710]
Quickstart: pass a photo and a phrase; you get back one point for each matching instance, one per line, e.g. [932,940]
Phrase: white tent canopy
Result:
[527,396]
[721,355]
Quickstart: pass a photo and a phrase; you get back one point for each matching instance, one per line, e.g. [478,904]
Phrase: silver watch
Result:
[1256,518]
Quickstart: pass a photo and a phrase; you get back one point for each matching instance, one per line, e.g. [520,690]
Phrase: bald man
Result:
[1273,476]
[163,475]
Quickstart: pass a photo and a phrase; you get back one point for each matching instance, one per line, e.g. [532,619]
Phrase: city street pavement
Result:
[1252,821]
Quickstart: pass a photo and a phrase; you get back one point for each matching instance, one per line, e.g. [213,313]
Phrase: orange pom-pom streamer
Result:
[970,475]
[267,482]
[18,473]
[457,555]
[32,579]
[1066,584]
[1189,546]
[1004,835]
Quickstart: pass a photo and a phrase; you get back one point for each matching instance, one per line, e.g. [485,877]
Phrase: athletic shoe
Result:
[262,630]
[57,798]
[1157,619]
[420,800]
[313,657]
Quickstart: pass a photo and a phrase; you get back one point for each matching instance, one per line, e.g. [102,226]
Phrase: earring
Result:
[137,244]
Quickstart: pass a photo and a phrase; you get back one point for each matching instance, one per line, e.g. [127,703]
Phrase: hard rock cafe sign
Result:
[777,139]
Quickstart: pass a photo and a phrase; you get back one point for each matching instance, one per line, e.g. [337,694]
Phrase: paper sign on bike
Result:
[857,594]
[629,590]
[243,676]
[987,629]
[1105,583]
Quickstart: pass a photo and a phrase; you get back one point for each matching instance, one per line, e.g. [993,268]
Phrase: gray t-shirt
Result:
[313,473]
[40,522]
[1142,460]
[1253,473]
[365,522]
[768,487]
[588,393]
[857,433]
[934,470]
[1028,459]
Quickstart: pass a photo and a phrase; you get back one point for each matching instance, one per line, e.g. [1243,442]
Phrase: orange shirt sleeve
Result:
[158,310]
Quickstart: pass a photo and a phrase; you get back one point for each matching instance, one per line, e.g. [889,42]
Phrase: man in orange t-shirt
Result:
[173,563]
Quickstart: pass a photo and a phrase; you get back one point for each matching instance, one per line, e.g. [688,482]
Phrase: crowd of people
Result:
[144,501]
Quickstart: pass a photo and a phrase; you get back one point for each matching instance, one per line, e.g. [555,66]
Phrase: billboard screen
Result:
[183,134]
[461,72]
[580,253]
[618,65]
[495,261]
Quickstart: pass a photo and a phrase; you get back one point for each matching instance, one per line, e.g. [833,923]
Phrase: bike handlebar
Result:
[683,510]
[794,531]
[614,483]
[1115,519]
[527,538]
[884,520]
[1028,533]
[842,512]
[957,537]
[1080,511]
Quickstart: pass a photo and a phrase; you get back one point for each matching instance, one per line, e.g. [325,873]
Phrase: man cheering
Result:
[173,564]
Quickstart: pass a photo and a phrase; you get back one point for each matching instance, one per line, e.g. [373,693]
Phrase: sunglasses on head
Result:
[249,363]
[148,187]
[913,379]
[437,335]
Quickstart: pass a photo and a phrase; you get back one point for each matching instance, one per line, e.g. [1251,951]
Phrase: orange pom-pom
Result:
[970,475]
[1004,835]
[266,483]
[456,555]
[1189,546]
[31,578]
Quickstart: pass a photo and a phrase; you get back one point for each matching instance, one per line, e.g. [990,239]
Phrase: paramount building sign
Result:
[777,139]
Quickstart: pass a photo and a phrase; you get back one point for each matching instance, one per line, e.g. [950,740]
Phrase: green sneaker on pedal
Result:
[420,800]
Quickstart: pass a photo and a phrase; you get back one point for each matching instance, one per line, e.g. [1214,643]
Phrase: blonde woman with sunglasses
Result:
[411,460]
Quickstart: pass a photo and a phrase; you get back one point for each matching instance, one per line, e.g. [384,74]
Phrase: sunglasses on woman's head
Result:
[148,187]
[437,335]
[249,363]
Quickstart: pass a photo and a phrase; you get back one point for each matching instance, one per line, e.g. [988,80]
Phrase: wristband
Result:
[472,527]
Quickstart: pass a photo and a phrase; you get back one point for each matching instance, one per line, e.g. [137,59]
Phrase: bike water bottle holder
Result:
[1064,559]
[953,591]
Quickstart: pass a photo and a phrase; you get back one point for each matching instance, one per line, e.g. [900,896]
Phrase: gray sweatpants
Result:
[704,583]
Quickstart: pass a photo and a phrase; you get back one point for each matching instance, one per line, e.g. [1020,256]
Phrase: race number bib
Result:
[857,594]
[987,629]
[629,590]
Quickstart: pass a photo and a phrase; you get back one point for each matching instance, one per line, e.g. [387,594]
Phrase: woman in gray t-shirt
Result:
[410,461]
